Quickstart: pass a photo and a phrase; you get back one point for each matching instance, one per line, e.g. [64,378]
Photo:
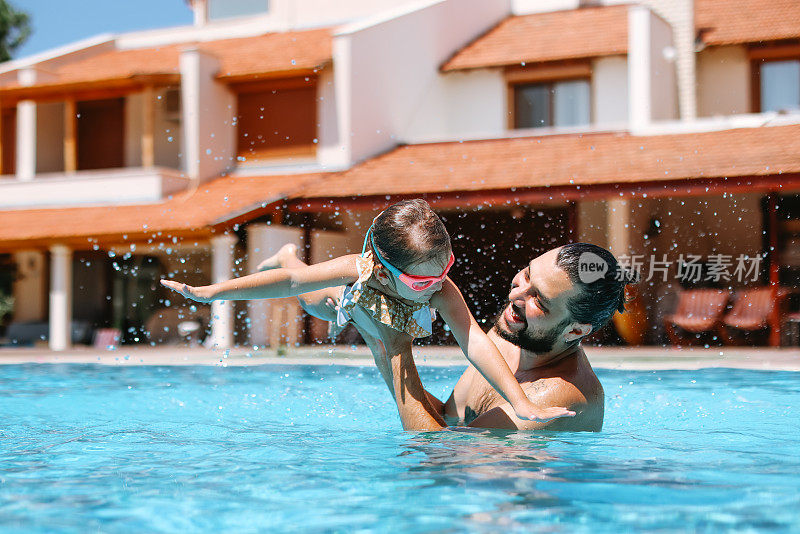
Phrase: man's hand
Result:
[530,412]
[199,294]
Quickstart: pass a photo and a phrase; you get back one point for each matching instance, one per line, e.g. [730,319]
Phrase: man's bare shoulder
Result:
[574,385]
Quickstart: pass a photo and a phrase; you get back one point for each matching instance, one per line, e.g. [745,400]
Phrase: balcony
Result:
[105,186]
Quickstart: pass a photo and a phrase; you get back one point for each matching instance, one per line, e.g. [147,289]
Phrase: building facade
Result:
[663,130]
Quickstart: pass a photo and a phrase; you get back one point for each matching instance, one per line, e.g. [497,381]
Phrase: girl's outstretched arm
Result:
[276,283]
[483,354]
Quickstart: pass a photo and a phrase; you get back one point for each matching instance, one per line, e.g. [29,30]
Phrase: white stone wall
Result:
[679,14]
[610,91]
[473,103]
[208,110]
[388,72]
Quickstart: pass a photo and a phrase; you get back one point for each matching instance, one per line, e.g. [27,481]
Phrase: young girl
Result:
[400,275]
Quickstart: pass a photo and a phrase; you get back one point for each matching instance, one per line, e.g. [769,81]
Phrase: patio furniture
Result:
[751,314]
[107,338]
[178,324]
[29,333]
[698,312]
[791,330]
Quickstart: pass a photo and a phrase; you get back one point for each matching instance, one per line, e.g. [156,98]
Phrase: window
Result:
[277,120]
[223,9]
[780,85]
[563,103]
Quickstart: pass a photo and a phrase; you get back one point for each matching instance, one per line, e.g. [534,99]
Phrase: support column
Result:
[208,123]
[26,140]
[60,297]
[221,310]
[148,127]
[619,235]
[70,135]
[268,317]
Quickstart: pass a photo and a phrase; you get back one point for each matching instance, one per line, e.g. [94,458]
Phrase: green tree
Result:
[14,29]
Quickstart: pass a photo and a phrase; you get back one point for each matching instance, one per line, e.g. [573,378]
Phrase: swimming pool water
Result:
[320,448]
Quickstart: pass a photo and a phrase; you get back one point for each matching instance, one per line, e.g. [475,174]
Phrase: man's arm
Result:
[546,392]
[392,353]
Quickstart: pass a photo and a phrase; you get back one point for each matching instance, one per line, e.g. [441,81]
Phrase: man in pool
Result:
[558,299]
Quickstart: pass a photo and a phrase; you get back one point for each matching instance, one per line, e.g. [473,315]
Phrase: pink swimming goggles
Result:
[415,282]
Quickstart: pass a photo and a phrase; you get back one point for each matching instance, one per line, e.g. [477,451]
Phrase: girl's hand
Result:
[194,293]
[531,412]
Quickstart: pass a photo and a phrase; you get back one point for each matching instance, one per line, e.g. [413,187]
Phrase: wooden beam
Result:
[774,271]
[502,198]
[774,51]
[148,128]
[274,76]
[87,90]
[2,170]
[548,72]
[70,136]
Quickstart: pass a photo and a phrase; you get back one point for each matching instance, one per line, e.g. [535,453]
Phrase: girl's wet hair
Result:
[409,233]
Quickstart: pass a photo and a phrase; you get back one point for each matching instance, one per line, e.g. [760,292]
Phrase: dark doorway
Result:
[101,134]
[134,294]
[490,247]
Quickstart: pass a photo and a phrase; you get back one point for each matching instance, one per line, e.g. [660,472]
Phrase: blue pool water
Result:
[302,448]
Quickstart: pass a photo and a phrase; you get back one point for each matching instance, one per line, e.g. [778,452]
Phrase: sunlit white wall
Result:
[390,77]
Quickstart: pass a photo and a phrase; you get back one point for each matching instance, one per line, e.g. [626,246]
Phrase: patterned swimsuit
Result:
[414,319]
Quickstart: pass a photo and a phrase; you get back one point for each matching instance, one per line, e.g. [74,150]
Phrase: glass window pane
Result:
[572,103]
[780,85]
[532,106]
[222,9]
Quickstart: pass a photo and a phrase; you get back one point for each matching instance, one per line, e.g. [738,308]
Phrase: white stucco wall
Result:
[652,85]
[388,71]
[49,137]
[723,81]
[680,16]
[610,91]
[330,151]
[524,7]
[474,103]
[664,86]
[208,112]
[300,13]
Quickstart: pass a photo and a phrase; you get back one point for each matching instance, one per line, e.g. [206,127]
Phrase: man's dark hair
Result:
[599,296]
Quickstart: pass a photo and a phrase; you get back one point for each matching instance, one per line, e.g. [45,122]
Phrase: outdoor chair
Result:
[699,312]
[751,314]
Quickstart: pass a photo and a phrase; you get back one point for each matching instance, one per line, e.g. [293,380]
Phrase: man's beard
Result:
[538,344]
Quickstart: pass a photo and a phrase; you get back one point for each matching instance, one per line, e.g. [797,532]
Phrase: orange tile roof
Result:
[578,33]
[747,21]
[516,164]
[189,212]
[568,160]
[273,52]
